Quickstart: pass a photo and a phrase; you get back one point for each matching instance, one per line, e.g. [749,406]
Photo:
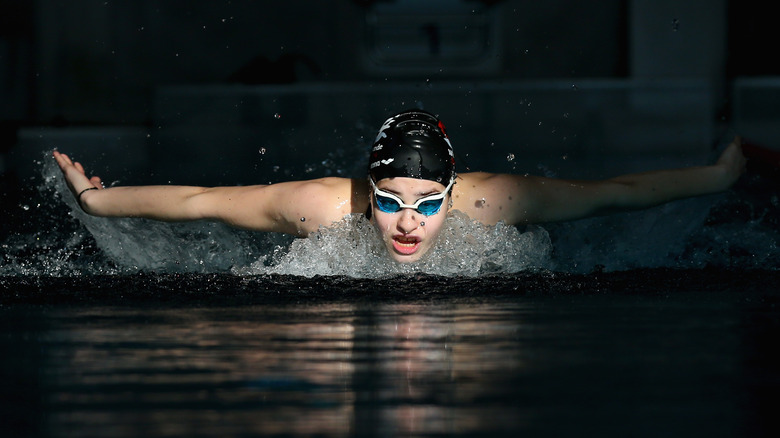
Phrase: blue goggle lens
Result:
[427,206]
[390,205]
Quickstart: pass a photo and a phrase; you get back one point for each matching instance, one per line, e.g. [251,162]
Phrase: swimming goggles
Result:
[390,203]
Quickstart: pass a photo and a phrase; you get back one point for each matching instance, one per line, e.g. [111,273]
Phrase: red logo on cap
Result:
[443,131]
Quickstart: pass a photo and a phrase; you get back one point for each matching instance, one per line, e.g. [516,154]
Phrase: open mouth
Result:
[406,244]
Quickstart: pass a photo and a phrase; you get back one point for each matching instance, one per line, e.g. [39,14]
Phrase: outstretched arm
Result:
[296,208]
[528,199]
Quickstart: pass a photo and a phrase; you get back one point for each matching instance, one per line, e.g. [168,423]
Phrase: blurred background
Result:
[243,92]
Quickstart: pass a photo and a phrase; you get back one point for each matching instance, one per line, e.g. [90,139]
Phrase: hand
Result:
[732,161]
[75,176]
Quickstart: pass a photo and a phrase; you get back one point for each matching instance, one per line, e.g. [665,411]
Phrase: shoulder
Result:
[482,180]
[345,193]
[491,197]
[320,202]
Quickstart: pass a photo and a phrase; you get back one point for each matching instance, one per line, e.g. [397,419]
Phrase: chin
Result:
[404,258]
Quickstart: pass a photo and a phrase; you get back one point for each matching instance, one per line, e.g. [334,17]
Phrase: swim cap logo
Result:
[412,144]
[443,131]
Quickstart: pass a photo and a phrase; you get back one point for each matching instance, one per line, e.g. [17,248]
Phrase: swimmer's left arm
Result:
[517,199]
[557,200]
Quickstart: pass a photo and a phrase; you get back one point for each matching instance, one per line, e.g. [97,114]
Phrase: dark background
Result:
[237,92]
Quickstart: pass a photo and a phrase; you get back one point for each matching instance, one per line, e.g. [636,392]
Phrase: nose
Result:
[407,221]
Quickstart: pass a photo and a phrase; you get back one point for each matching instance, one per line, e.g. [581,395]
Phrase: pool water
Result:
[655,352]
[656,323]
[738,229]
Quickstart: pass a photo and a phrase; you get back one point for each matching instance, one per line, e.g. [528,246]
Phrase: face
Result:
[409,234]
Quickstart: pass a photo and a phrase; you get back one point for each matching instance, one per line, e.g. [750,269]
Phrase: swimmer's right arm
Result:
[164,203]
[293,208]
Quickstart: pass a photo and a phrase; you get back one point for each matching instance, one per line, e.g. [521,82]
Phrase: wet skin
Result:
[409,234]
[301,207]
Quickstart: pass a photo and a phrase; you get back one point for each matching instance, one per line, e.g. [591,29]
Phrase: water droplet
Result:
[277,116]
[510,157]
[422,224]
[574,87]
[303,219]
[262,151]
[25,207]
[565,157]
[565,115]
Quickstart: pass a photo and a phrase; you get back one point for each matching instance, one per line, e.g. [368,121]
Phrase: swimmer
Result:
[411,186]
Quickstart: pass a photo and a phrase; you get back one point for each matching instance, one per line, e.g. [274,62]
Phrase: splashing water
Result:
[351,248]
[119,246]
[464,248]
[732,230]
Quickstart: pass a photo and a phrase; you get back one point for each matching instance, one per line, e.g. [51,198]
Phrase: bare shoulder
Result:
[307,205]
[491,197]
[345,195]
[293,207]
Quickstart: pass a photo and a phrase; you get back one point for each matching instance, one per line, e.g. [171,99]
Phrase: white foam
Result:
[464,248]
[680,234]
[351,248]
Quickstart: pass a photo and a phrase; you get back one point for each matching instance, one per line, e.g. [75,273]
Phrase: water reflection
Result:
[544,365]
[334,368]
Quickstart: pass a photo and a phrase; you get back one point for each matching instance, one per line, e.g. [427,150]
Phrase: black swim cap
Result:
[412,144]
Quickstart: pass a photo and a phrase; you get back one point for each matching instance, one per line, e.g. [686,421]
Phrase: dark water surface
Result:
[656,352]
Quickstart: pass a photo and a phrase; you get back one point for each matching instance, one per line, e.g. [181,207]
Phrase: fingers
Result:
[62,159]
[75,176]
[737,142]
[733,150]
[65,162]
[733,159]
